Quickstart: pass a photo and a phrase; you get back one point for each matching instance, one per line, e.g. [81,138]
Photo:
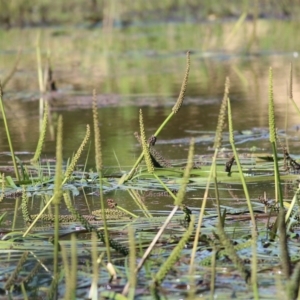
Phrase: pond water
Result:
[142,67]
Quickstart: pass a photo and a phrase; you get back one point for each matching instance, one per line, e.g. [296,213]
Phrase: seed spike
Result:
[180,99]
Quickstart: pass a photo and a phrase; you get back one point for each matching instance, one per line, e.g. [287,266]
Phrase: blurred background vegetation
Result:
[125,12]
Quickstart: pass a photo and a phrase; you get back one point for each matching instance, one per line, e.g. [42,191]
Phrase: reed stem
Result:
[8,136]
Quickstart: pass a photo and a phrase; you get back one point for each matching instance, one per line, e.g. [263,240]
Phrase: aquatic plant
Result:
[146,151]
[13,277]
[8,136]
[142,248]
[273,139]
[175,110]
[40,144]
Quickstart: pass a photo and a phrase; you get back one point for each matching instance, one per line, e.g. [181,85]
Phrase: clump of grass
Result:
[104,237]
[178,201]
[66,177]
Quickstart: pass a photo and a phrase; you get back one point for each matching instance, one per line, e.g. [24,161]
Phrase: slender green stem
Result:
[157,132]
[106,236]
[139,203]
[132,264]
[13,70]
[95,264]
[127,211]
[213,273]
[43,210]
[279,196]
[40,80]
[8,137]
[201,215]
[245,188]
[56,239]
[138,161]
[149,249]
[165,187]
[273,137]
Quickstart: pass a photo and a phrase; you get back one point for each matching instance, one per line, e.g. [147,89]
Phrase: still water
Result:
[146,74]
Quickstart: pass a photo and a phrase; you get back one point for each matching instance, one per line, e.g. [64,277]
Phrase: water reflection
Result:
[144,69]
[118,124]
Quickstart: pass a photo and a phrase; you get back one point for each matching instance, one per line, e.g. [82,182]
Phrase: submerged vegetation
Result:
[117,253]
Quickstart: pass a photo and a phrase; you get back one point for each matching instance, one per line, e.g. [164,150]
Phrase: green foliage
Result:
[174,255]
[57,12]
[155,234]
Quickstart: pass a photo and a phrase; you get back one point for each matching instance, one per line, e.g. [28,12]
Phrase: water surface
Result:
[142,68]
